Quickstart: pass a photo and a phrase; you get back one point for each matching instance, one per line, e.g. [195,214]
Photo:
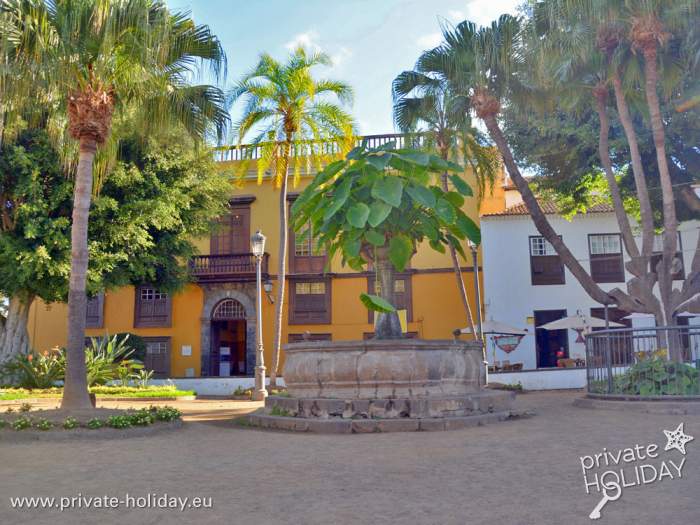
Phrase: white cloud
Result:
[455,15]
[340,56]
[308,40]
[430,40]
[483,12]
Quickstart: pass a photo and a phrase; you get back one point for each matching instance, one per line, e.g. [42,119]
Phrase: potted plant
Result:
[376,206]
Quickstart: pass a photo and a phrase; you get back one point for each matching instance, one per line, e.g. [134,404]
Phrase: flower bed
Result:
[60,421]
[166,392]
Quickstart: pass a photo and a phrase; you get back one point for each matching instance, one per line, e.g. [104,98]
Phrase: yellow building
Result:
[209,328]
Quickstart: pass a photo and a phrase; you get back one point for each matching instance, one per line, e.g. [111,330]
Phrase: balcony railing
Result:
[232,267]
[322,147]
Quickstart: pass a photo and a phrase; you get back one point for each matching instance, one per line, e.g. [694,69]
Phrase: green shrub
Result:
[70,423]
[3,423]
[118,422]
[34,370]
[242,392]
[657,377]
[104,358]
[95,423]
[135,342]
[142,418]
[22,423]
[166,413]
[43,424]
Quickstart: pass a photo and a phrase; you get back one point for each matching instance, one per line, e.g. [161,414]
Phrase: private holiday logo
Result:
[609,472]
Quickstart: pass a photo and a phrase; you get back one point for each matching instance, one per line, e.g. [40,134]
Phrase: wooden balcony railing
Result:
[233,267]
[324,147]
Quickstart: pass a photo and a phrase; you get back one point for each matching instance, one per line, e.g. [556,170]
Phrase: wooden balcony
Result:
[322,147]
[226,268]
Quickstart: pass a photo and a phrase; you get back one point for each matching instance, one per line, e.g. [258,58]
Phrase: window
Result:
[157,355]
[310,302]
[306,244]
[545,265]
[152,307]
[94,314]
[403,299]
[306,256]
[605,251]
[658,252]
[300,338]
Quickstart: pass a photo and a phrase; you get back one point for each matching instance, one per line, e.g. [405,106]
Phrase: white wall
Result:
[509,296]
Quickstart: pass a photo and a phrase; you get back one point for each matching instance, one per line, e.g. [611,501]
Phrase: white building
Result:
[526,285]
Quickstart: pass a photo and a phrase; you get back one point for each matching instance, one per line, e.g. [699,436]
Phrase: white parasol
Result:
[580,323]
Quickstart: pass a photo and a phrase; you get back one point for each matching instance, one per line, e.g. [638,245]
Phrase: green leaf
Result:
[461,186]
[378,212]
[417,157]
[339,198]
[376,303]
[421,195]
[388,189]
[445,211]
[357,215]
[400,251]
[455,198]
[437,246]
[375,238]
[351,247]
[469,228]
[379,161]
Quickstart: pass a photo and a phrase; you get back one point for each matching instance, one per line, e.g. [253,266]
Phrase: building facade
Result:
[526,285]
[209,328]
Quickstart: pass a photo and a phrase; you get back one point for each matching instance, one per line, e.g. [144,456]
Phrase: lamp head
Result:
[257,244]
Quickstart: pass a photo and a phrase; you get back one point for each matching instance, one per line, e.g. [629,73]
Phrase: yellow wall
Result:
[437,308]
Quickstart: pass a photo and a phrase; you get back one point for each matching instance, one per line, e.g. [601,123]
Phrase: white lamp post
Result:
[477,289]
[257,242]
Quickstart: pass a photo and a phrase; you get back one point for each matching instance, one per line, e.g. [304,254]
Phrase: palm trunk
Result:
[604,152]
[539,218]
[458,272]
[388,325]
[647,217]
[75,391]
[670,237]
[14,337]
[281,268]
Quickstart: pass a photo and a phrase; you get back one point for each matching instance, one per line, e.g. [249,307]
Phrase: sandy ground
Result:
[519,472]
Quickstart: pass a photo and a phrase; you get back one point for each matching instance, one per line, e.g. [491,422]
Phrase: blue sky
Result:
[369,41]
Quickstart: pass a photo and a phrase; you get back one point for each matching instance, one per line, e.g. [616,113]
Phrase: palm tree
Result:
[291,115]
[424,99]
[104,59]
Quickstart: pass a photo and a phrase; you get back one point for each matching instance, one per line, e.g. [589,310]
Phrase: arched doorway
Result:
[228,339]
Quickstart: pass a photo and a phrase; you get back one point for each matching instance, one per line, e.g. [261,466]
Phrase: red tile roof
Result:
[548,208]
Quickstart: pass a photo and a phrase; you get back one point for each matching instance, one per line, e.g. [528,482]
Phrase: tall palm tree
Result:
[290,115]
[100,59]
[424,100]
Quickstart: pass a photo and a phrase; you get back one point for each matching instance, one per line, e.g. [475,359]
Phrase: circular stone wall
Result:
[376,369]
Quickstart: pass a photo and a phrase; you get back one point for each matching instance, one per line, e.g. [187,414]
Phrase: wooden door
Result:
[233,234]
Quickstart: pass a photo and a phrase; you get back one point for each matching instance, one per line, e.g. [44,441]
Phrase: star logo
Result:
[677,439]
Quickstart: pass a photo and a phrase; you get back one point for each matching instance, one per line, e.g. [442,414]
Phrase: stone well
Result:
[383,385]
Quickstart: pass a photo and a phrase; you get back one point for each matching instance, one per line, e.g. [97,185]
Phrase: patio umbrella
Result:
[496,327]
[579,323]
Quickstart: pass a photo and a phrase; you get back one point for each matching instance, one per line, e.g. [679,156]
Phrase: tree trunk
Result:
[647,217]
[281,268]
[388,325]
[669,263]
[14,337]
[75,391]
[458,273]
[604,152]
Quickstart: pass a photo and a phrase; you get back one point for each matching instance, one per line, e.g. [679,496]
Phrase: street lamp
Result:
[477,288]
[257,243]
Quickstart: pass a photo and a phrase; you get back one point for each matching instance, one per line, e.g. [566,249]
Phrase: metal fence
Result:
[644,362]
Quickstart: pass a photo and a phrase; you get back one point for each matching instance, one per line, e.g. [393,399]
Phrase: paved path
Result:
[519,472]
